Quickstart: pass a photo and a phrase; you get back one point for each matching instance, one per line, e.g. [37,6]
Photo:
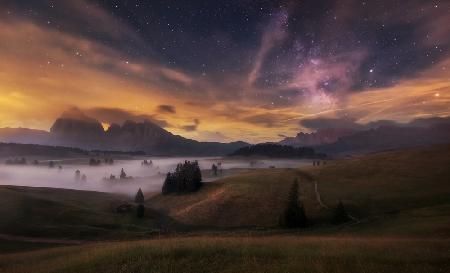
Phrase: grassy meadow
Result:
[400,200]
[240,254]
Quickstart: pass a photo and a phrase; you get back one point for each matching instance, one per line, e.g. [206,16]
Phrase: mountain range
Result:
[87,133]
[320,137]
[376,136]
[80,131]
[387,138]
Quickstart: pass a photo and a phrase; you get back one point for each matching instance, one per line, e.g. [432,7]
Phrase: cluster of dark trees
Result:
[216,169]
[16,161]
[317,163]
[186,178]
[277,151]
[96,162]
[15,149]
[126,207]
[109,161]
[100,152]
[146,162]
[80,177]
[294,215]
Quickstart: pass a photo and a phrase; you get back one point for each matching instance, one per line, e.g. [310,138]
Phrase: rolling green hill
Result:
[400,192]
[61,213]
[399,199]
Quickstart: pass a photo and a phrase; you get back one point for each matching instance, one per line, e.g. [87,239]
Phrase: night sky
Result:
[224,70]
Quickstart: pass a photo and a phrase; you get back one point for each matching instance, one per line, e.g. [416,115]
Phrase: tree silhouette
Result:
[214,169]
[340,215]
[123,175]
[77,175]
[140,211]
[186,178]
[294,214]
[139,198]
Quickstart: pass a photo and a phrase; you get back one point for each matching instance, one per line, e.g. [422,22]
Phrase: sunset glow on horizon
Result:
[253,75]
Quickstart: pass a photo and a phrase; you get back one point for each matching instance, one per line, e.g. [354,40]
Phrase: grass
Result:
[400,197]
[399,193]
[403,192]
[61,213]
[240,254]
[249,199]
[10,246]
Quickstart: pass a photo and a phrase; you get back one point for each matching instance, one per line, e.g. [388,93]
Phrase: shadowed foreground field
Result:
[400,200]
[236,254]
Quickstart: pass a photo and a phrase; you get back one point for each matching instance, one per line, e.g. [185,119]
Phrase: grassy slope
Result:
[47,212]
[250,199]
[403,192]
[407,192]
[239,254]
[407,189]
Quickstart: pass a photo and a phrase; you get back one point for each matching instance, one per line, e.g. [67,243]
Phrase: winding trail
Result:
[319,199]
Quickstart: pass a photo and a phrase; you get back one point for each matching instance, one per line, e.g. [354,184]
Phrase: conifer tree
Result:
[340,215]
[140,211]
[294,214]
[139,198]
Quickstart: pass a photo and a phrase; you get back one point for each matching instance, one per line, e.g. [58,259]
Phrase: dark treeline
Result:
[106,152]
[18,149]
[186,178]
[276,150]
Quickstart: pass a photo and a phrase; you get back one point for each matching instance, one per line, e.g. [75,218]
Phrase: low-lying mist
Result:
[148,177]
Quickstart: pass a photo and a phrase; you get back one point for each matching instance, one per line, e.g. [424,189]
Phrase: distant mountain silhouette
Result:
[87,133]
[387,138]
[24,136]
[322,136]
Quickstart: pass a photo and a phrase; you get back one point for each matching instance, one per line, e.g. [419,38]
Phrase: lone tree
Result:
[340,215]
[123,175]
[186,178]
[140,211]
[214,169]
[294,214]
[77,175]
[139,198]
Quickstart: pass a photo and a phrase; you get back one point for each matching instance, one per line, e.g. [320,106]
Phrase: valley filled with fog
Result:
[148,177]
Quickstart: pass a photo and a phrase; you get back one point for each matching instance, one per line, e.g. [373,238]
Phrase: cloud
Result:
[165,108]
[268,120]
[274,33]
[189,128]
[119,116]
[192,127]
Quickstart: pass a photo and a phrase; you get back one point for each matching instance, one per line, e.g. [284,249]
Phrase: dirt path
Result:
[319,199]
[40,240]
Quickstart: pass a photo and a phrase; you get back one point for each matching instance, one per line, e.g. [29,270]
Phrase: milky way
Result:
[224,70]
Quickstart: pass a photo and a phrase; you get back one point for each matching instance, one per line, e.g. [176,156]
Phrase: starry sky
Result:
[224,70]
